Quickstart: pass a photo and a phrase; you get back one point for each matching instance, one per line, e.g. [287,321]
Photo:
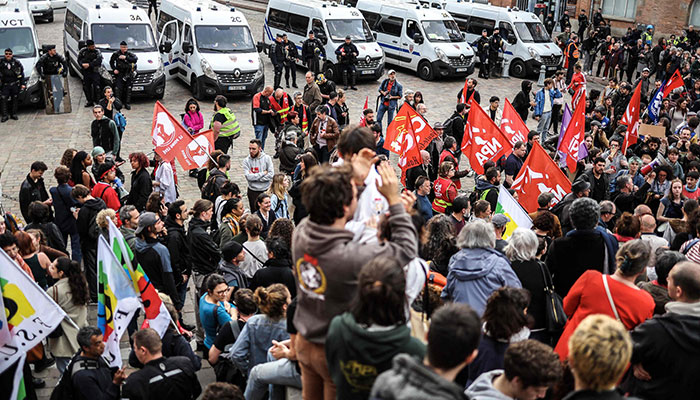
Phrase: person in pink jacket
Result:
[193,119]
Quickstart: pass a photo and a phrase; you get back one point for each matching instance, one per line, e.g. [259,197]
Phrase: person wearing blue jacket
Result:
[390,92]
[544,99]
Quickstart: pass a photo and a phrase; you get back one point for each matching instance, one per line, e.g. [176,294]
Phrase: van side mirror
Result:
[81,44]
[464,35]
[260,46]
[418,38]
[166,47]
[512,39]
[187,47]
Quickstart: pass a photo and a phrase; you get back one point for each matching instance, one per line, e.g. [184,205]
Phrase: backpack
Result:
[201,177]
[120,121]
[210,190]
[447,125]
[224,369]
[64,390]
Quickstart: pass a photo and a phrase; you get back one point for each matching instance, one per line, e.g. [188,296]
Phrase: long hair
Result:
[505,315]
[441,240]
[190,102]
[67,158]
[309,161]
[381,281]
[277,188]
[77,167]
[76,280]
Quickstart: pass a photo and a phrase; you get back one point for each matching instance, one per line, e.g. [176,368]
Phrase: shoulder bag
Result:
[556,318]
[610,299]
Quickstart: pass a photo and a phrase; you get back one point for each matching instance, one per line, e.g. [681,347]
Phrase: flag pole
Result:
[202,147]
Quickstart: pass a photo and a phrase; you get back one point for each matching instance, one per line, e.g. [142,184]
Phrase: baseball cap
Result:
[500,220]
[103,169]
[391,71]
[146,219]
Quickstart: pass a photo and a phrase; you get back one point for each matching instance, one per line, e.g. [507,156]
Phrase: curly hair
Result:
[272,300]
[584,213]
[505,315]
[544,221]
[628,225]
[67,157]
[140,158]
[441,243]
[282,228]
[76,280]
[535,363]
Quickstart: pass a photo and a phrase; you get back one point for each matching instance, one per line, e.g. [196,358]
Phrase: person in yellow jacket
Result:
[445,189]
[224,124]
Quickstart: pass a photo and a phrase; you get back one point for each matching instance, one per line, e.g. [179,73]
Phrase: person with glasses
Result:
[215,309]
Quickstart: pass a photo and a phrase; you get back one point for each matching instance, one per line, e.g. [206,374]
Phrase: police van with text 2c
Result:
[17,32]
[108,23]
[423,39]
[331,23]
[209,47]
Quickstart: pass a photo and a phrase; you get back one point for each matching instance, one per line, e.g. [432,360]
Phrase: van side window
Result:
[317,26]
[298,24]
[170,33]
[411,28]
[390,25]
[163,18]
[506,29]
[187,34]
[277,19]
[462,22]
[371,18]
[73,25]
[476,25]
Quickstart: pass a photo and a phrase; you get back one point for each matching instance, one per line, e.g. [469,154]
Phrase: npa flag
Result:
[631,119]
[512,126]
[30,314]
[573,136]
[117,301]
[408,120]
[483,141]
[655,104]
[539,174]
[157,315]
[169,136]
[674,82]
[509,207]
[196,153]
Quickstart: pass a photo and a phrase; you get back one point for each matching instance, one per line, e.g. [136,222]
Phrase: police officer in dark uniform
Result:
[123,65]
[54,67]
[482,47]
[347,58]
[277,58]
[291,56]
[496,44]
[311,52]
[12,80]
[90,60]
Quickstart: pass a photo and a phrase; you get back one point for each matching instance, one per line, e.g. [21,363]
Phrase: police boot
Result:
[345,79]
[353,78]
[13,110]
[3,105]
[127,98]
[88,96]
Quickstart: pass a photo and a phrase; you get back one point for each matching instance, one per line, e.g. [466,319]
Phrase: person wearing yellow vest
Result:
[281,103]
[224,125]
[445,189]
[304,116]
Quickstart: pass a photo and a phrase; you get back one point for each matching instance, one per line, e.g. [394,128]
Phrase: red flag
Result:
[674,82]
[169,136]
[423,132]
[362,119]
[463,97]
[409,156]
[573,136]
[196,153]
[631,119]
[483,141]
[512,126]
[539,174]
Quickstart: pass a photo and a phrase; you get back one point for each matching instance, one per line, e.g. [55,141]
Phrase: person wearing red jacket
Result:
[103,189]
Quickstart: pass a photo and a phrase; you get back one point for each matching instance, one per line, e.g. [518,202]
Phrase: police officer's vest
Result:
[230,127]
[441,201]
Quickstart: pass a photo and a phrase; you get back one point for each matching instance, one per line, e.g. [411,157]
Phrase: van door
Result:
[391,26]
[169,48]
[509,38]
[187,37]
[408,44]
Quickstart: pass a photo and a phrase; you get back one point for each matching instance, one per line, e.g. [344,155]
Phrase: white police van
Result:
[18,33]
[108,23]
[209,47]
[332,23]
[418,37]
[41,9]
[527,43]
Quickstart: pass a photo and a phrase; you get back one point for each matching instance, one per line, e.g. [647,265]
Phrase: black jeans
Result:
[223,143]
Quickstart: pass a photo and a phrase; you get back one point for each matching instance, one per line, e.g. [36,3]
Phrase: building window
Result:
[620,8]
[694,14]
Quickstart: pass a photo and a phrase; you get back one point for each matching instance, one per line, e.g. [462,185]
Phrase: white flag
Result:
[31,314]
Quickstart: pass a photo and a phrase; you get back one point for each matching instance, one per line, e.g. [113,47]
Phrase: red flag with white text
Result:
[409,156]
[196,153]
[631,119]
[573,136]
[539,174]
[482,140]
[169,136]
[408,119]
[512,126]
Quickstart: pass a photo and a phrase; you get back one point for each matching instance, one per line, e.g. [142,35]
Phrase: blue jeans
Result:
[182,292]
[261,133]
[273,375]
[75,253]
[543,125]
[62,363]
[385,109]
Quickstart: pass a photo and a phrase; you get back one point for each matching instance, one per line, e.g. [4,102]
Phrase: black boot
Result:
[3,106]
[127,98]
[345,80]
[13,110]
[353,79]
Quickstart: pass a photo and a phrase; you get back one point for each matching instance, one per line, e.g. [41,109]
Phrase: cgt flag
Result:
[30,313]
[483,141]
[169,136]
[539,174]
[509,207]
[408,119]
[631,119]
[196,153]
[512,126]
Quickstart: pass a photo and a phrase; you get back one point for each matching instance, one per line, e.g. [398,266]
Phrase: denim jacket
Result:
[539,99]
[396,90]
[256,337]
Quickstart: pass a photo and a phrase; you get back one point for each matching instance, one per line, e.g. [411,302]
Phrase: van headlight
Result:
[206,69]
[261,69]
[160,71]
[441,55]
[105,74]
[534,54]
[33,78]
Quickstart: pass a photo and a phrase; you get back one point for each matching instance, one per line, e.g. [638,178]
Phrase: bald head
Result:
[425,156]
[268,91]
[648,223]
[684,282]
[642,209]
[278,93]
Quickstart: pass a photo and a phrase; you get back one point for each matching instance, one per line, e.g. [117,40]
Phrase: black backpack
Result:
[210,190]
[65,390]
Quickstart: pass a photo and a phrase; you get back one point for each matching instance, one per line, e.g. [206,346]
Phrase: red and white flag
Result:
[482,140]
[408,119]
[512,126]
[196,153]
[573,136]
[631,119]
[674,82]
[362,119]
[169,136]
[539,174]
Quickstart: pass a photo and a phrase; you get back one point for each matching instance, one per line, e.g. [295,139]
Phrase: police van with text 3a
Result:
[527,43]
[108,23]
[17,32]
[420,38]
[209,47]
[331,23]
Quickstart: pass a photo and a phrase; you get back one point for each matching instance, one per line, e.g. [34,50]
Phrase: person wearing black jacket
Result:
[291,56]
[174,344]
[123,65]
[564,21]
[598,17]
[277,57]
[633,52]
[176,242]
[91,377]
[455,126]
[90,60]
[12,81]
[277,268]
[582,23]
[312,52]
[549,23]
[171,378]
[141,185]
[347,58]
[496,45]
[482,48]
[33,189]
[53,68]
[626,198]
[38,218]
[89,232]
[522,101]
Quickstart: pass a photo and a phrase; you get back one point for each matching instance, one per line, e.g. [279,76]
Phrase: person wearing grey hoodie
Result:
[327,260]
[258,171]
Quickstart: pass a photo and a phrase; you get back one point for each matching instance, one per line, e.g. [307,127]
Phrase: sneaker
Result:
[43,364]
[353,88]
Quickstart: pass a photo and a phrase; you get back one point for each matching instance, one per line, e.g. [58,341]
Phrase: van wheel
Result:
[71,69]
[425,71]
[329,71]
[517,69]
[195,89]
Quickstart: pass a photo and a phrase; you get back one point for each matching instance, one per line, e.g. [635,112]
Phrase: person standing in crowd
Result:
[193,119]
[141,185]
[391,91]
[265,213]
[472,93]
[324,134]
[88,231]
[277,268]
[572,55]
[215,308]
[104,131]
[582,23]
[256,251]
[129,216]
[482,48]
[279,196]
[444,188]
[522,101]
[312,51]
[110,104]
[493,111]
[91,377]
[263,113]
[123,65]
[514,163]
[544,102]
[106,174]
[64,202]
[423,169]
[347,58]
[53,66]
[258,170]
[37,261]
[224,125]
[12,81]
[90,61]
[165,179]
[277,59]
[79,170]
[454,127]
[180,258]
[33,189]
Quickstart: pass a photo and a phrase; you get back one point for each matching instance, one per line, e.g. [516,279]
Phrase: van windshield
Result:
[224,39]
[356,28]
[20,40]
[445,30]
[532,32]
[139,37]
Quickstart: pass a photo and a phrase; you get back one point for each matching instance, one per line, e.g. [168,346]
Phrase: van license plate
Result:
[236,88]
[137,88]
[368,72]
[461,70]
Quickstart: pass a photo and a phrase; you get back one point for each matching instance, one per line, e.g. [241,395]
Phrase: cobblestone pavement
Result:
[37,136]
